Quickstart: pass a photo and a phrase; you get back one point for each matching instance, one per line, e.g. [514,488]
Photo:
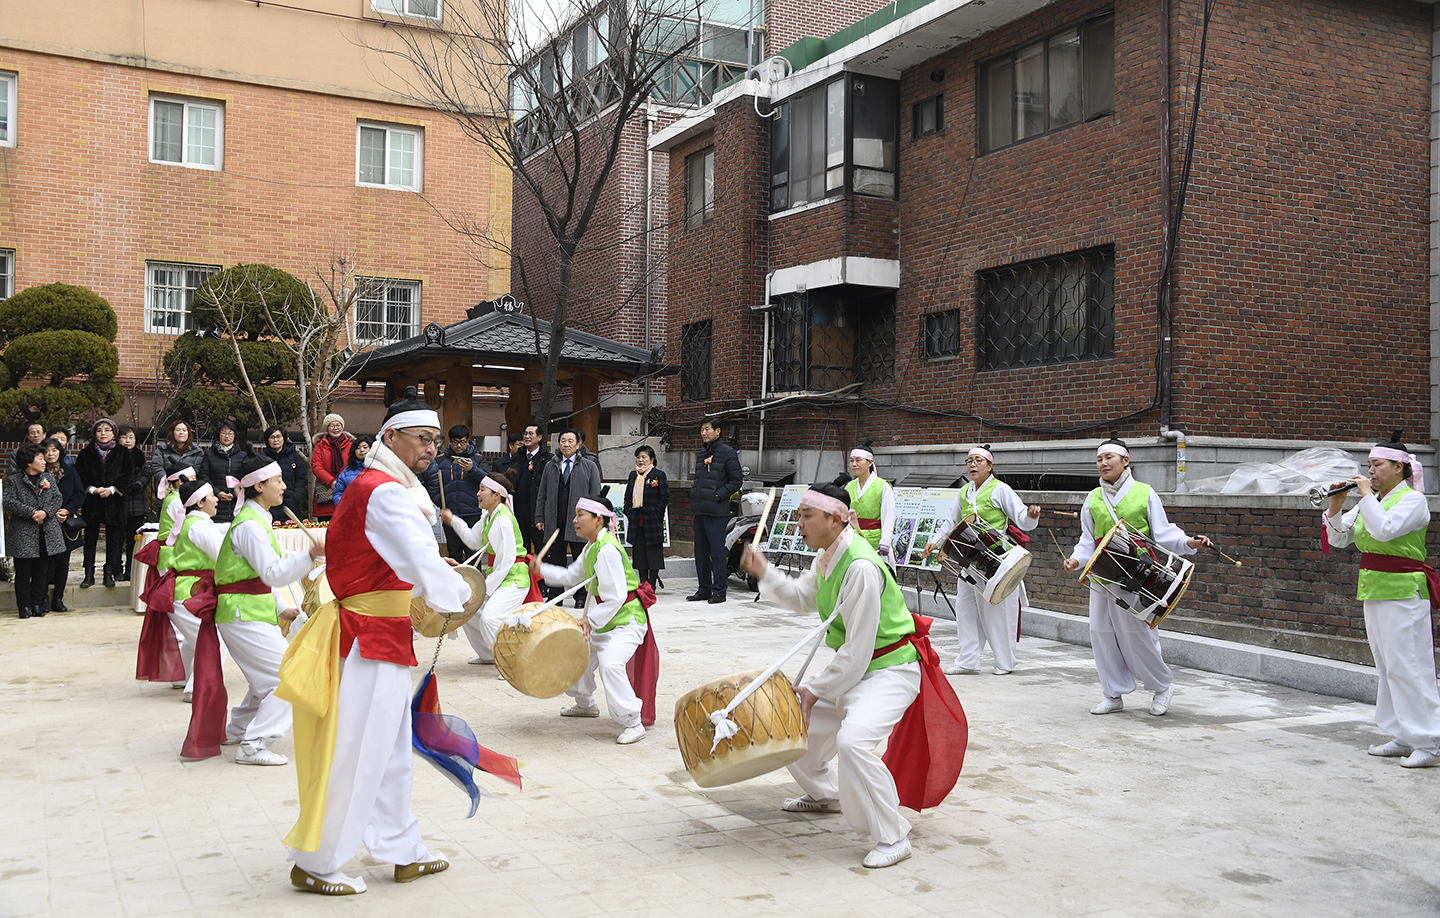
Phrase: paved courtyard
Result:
[1246,799]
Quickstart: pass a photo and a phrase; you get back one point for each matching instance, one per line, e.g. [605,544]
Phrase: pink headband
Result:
[862,453]
[1115,448]
[1417,471]
[824,503]
[599,509]
[162,487]
[982,452]
[499,488]
[264,473]
[202,492]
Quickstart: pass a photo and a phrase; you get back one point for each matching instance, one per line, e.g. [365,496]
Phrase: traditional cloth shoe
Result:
[954,669]
[808,804]
[409,873]
[577,710]
[178,685]
[1420,759]
[247,756]
[231,739]
[304,881]
[1392,750]
[1001,672]
[480,661]
[883,855]
[1160,703]
[1108,706]
[631,735]
[188,697]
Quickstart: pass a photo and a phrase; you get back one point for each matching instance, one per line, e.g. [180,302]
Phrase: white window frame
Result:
[372,290]
[152,327]
[402,8]
[7,273]
[217,107]
[10,94]
[390,130]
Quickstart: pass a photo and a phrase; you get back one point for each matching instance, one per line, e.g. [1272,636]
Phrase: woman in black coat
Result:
[72,498]
[106,470]
[644,506]
[32,531]
[223,459]
[293,468]
[137,497]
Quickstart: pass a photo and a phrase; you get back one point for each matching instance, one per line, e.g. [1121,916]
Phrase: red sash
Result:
[643,668]
[927,747]
[1394,564]
[158,658]
[252,587]
[209,702]
[864,523]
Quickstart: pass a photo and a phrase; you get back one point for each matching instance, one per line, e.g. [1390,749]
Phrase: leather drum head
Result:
[431,623]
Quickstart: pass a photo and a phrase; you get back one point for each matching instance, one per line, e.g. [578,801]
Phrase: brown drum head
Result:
[545,659]
[771,734]
[431,623]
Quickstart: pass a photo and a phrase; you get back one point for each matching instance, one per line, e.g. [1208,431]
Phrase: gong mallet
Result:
[1223,555]
[764,515]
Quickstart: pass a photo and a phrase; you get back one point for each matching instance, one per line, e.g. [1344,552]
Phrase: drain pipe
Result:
[764,371]
[650,118]
[1179,437]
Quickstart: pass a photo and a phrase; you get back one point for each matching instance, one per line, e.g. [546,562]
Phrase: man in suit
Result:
[530,461]
[568,477]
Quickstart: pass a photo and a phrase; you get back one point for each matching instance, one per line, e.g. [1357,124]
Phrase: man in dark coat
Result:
[568,477]
[717,477]
[531,463]
[458,470]
[514,451]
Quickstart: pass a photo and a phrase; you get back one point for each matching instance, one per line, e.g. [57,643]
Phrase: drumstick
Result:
[551,541]
[764,514]
[291,513]
[1063,556]
[1223,555]
[1070,513]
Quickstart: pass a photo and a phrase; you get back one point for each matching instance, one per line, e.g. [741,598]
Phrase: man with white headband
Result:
[1125,648]
[250,570]
[978,622]
[507,578]
[615,622]
[883,663]
[873,501]
[353,754]
[1399,592]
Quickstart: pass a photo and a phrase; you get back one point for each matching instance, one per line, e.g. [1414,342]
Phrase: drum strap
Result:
[1394,564]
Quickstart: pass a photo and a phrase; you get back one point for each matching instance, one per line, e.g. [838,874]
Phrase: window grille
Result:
[170,294]
[1051,310]
[831,337]
[695,361]
[386,310]
[940,334]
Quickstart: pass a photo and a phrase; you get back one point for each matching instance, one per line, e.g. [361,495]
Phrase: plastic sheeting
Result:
[1295,474]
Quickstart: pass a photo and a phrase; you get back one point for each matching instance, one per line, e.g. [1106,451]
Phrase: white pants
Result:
[609,652]
[848,730]
[1407,704]
[1126,649]
[187,630]
[978,622]
[260,718]
[482,628]
[368,797]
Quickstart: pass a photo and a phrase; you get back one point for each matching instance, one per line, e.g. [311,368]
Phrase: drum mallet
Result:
[1063,556]
[291,513]
[764,515]
[1066,513]
[1223,555]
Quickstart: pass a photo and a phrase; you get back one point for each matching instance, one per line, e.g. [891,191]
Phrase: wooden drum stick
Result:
[548,542]
[764,514]
[1225,556]
[291,513]
[1068,513]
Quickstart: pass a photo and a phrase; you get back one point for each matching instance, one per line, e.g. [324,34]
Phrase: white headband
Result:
[202,492]
[499,488]
[982,452]
[862,453]
[264,473]
[597,508]
[1417,471]
[1115,448]
[824,503]
[420,417]
[162,487]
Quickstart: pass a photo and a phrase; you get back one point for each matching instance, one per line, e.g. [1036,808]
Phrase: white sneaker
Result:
[188,697]
[1420,759]
[631,735]
[808,804]
[178,685]
[956,670]
[1108,706]
[1002,672]
[1160,703]
[883,855]
[1392,750]
[578,710]
[480,661]
[247,756]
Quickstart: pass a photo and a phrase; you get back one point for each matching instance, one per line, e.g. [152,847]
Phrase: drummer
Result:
[1125,648]
[507,577]
[196,543]
[172,512]
[873,500]
[977,621]
[615,622]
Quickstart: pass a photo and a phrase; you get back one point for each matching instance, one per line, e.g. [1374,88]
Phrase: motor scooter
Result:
[741,532]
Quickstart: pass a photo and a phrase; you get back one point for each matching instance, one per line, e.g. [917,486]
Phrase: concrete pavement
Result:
[1246,799]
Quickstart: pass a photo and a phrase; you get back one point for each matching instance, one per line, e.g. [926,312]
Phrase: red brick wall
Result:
[790,20]
[81,203]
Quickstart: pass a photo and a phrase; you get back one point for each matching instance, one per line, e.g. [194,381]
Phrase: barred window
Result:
[940,335]
[700,188]
[386,309]
[695,361]
[831,337]
[1051,310]
[170,294]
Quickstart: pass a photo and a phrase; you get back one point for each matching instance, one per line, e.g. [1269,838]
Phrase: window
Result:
[816,152]
[928,116]
[831,337]
[416,9]
[387,310]
[695,362]
[9,83]
[700,188]
[1052,310]
[170,293]
[940,336]
[1061,80]
[187,133]
[7,273]
[389,157]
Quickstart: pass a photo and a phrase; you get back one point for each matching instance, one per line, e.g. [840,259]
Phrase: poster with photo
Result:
[615,493]
[921,514]
[784,534]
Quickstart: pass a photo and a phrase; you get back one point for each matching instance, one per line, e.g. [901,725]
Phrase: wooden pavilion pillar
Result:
[585,409]
[430,393]
[517,407]
[458,406]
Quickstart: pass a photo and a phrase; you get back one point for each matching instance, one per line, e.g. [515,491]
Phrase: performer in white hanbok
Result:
[1126,649]
[192,556]
[873,502]
[353,742]
[978,622]
[507,576]
[172,512]
[1399,592]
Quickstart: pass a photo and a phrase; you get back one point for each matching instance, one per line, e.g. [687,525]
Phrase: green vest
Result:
[231,568]
[189,557]
[1382,585]
[629,612]
[867,507]
[985,508]
[1134,508]
[163,563]
[895,619]
[519,571]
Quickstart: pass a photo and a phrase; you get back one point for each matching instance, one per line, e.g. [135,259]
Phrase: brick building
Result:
[145,146]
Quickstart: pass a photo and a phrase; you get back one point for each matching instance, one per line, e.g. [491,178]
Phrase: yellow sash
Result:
[310,681]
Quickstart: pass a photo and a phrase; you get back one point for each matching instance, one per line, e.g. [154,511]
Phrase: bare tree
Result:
[576,73]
